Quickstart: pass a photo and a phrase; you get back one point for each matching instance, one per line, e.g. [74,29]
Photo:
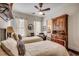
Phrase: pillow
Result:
[15,36]
[9,46]
[21,48]
[42,35]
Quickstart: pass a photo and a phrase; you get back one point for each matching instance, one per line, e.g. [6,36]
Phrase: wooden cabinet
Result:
[60,30]
[2,34]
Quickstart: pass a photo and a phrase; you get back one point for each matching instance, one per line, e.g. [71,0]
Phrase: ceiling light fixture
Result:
[40,13]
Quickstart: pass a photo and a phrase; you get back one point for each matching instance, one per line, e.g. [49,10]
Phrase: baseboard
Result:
[76,52]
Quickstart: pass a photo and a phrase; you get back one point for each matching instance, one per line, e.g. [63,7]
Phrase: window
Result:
[21,28]
[37,27]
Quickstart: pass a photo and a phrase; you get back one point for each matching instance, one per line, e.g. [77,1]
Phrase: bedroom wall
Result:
[29,19]
[73,31]
[73,23]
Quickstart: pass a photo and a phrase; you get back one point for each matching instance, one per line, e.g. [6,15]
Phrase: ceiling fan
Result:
[6,11]
[40,9]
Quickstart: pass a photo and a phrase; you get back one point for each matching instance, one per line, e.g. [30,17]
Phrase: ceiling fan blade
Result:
[7,11]
[46,9]
[10,11]
[40,5]
[4,10]
[36,7]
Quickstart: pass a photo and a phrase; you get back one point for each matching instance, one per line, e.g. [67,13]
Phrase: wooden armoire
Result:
[60,30]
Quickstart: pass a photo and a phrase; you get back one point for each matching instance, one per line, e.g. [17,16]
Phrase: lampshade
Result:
[10,29]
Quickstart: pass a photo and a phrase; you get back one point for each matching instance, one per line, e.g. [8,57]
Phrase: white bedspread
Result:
[46,48]
[41,48]
[31,39]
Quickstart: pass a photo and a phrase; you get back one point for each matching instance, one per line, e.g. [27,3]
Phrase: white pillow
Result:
[10,46]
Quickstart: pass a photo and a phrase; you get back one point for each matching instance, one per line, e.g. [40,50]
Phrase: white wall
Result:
[73,23]
[73,30]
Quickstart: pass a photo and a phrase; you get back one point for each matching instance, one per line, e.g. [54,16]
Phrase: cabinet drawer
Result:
[62,42]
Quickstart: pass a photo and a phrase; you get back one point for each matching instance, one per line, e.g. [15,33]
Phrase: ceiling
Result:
[28,8]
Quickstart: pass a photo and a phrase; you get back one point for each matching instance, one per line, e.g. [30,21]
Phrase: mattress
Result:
[31,39]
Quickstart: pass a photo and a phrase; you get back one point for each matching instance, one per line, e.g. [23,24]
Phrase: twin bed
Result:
[35,47]
[31,39]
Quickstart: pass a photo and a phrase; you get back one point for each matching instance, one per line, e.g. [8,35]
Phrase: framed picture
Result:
[30,27]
